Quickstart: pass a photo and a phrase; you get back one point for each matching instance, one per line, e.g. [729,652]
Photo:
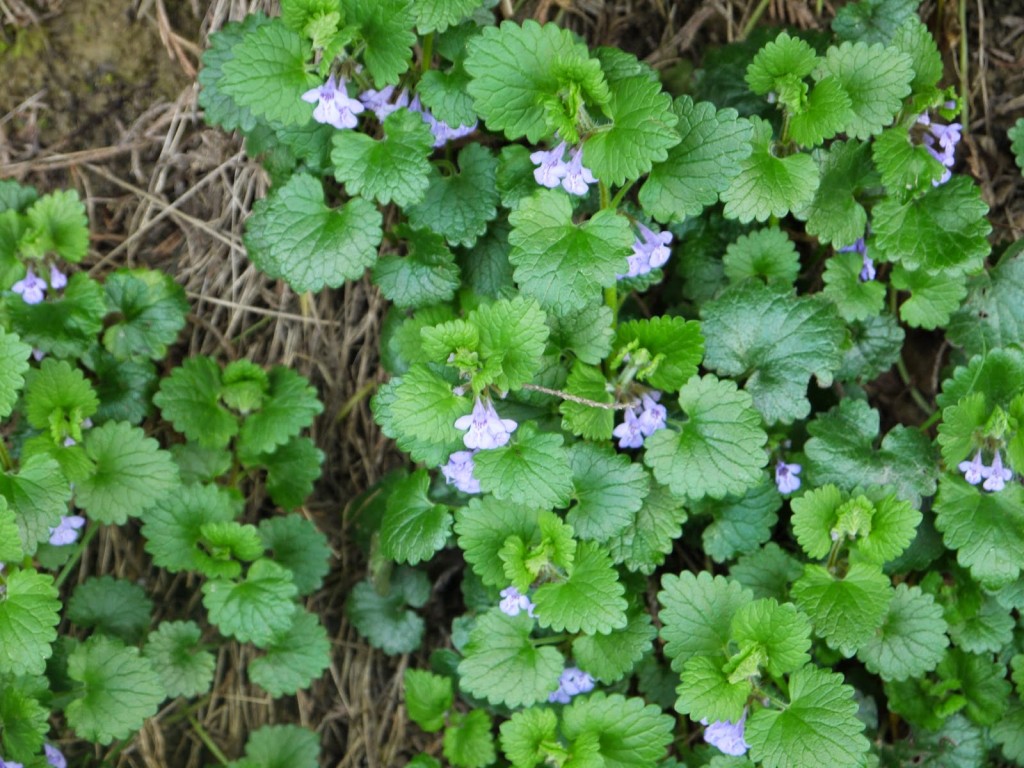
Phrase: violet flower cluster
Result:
[513,603]
[67,530]
[32,288]
[727,736]
[650,251]
[333,104]
[867,270]
[485,430]
[786,479]
[940,141]
[553,170]
[572,682]
[641,423]
[995,476]
[383,102]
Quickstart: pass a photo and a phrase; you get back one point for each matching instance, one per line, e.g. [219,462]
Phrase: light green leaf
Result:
[131,473]
[119,690]
[184,667]
[876,79]
[57,224]
[386,28]
[280,746]
[644,543]
[847,611]
[413,528]
[610,657]
[502,665]
[394,169]
[189,398]
[172,526]
[587,334]
[150,310]
[740,524]
[483,525]
[295,657]
[765,253]
[529,736]
[782,60]
[24,719]
[218,107]
[428,697]
[590,600]
[699,168]
[290,406]
[933,296]
[854,299]
[291,471]
[588,421]
[835,214]
[675,344]
[1016,136]
[563,265]
[294,236]
[778,633]
[29,614]
[718,450]
[58,399]
[824,114]
[706,692]
[112,606]
[299,546]
[696,614]
[630,733]
[10,538]
[533,469]
[821,719]
[425,276]
[38,494]
[513,332]
[769,185]
[468,742]
[778,340]
[425,407]
[1009,733]
[609,490]
[13,365]
[64,326]
[911,639]
[254,609]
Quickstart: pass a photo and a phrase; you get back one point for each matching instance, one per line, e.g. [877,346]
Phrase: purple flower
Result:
[10,764]
[513,603]
[484,428]
[443,133]
[867,270]
[67,531]
[38,354]
[577,177]
[57,278]
[629,432]
[652,418]
[940,141]
[650,251]
[973,470]
[727,736]
[379,102]
[551,167]
[54,756]
[786,476]
[572,682]
[459,472]
[31,287]
[996,476]
[333,104]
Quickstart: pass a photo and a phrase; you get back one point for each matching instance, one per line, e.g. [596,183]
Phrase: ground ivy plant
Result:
[633,349]
[83,450]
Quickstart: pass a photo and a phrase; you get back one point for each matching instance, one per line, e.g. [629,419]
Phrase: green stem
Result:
[357,397]
[5,457]
[754,18]
[208,741]
[428,53]
[833,555]
[927,424]
[621,194]
[551,640]
[90,534]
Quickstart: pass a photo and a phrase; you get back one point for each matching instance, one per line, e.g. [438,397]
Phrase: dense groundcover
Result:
[539,384]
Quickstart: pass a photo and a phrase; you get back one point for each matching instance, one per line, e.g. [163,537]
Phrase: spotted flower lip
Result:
[996,476]
[786,476]
[973,470]
[31,288]
[513,603]
[459,472]
[484,428]
[572,682]
[67,530]
[553,171]
[333,104]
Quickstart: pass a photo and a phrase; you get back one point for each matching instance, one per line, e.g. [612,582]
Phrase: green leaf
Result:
[295,657]
[413,528]
[914,39]
[876,343]
[428,697]
[392,169]
[740,524]
[132,473]
[24,720]
[38,494]
[425,406]
[765,253]
[854,299]
[718,450]
[299,546]
[769,185]
[460,205]
[502,665]
[778,633]
[172,526]
[119,690]
[386,28]
[825,112]
[630,733]
[280,746]
[911,639]
[113,606]
[434,449]
[254,609]
[985,529]
[588,421]
[1016,136]
[184,667]
[696,614]
[294,236]
[563,265]
[532,469]
[58,399]
[1009,733]
[835,215]
[934,296]
[125,387]
[10,538]
[609,490]
[779,62]
[590,600]
[267,74]
[842,451]
[610,657]
[290,407]
[13,365]
[992,316]
[676,345]
[512,332]
[876,78]
[521,74]
[903,163]
[982,681]
[426,275]
[529,736]
[483,525]
[873,21]
[29,614]
[643,544]
[189,398]
[820,719]
[701,166]
[57,224]
[292,469]
[640,133]
[383,619]
[468,742]
[847,611]
[768,572]
[64,326]
[944,229]
[779,341]
[218,107]
[150,309]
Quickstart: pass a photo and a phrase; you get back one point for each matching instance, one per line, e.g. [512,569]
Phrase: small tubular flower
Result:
[333,104]
[786,476]
[31,288]
[650,251]
[652,417]
[54,756]
[484,428]
[551,167]
[629,432]
[577,176]
[973,470]
[380,103]
[996,476]
[67,530]
[867,270]
[58,279]
[513,603]
[940,141]
[572,682]
[459,472]
[727,736]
